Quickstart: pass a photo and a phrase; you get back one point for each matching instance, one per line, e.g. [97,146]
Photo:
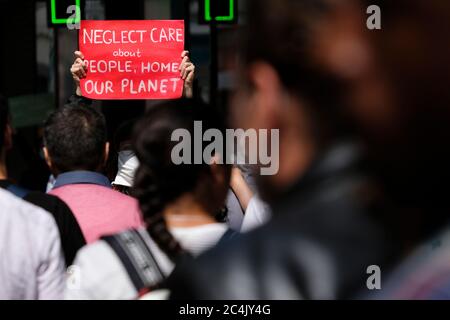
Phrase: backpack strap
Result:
[17,191]
[136,257]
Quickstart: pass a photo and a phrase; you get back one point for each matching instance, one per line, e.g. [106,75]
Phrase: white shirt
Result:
[98,273]
[126,168]
[31,261]
[257,214]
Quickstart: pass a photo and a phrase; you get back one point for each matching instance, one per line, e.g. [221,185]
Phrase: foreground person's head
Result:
[75,138]
[161,185]
[314,70]
[283,86]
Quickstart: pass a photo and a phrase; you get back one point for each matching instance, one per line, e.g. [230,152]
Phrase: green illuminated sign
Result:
[56,20]
[229,17]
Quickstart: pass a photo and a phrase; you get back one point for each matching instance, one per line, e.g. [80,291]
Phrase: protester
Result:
[71,236]
[127,163]
[391,91]
[178,202]
[76,150]
[31,263]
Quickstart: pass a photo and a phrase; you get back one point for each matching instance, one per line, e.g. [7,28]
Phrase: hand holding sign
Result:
[132,60]
[78,70]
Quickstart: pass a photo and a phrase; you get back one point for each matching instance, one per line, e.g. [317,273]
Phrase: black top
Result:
[323,235]
[72,238]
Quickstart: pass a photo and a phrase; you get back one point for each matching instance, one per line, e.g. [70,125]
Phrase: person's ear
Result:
[267,93]
[106,152]
[47,157]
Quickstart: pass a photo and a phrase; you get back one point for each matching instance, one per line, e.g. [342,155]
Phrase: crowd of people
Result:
[364,122]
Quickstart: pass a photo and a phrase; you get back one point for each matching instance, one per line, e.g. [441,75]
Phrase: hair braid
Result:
[151,203]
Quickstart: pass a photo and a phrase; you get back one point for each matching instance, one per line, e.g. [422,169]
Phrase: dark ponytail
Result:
[158,181]
[152,202]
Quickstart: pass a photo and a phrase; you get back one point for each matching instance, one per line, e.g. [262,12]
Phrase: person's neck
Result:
[186,212]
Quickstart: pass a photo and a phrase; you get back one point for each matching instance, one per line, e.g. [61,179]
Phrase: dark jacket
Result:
[324,234]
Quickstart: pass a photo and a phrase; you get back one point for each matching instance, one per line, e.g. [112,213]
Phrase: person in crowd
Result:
[178,201]
[76,149]
[31,261]
[325,230]
[384,89]
[72,238]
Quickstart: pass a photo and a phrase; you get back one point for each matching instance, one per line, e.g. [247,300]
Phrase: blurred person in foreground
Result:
[76,149]
[314,70]
[178,201]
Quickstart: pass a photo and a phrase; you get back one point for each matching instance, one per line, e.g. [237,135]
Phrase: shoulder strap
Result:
[136,257]
[17,191]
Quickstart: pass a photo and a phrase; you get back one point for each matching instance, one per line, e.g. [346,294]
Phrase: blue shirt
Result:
[81,177]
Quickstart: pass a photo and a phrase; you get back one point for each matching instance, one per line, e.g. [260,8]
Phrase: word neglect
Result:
[132,59]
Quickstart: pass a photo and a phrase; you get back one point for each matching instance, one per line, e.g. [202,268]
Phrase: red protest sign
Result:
[136,59]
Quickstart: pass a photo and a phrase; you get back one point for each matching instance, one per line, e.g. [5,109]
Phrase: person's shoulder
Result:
[19,209]
[26,224]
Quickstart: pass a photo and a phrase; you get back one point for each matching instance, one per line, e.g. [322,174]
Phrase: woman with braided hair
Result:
[179,203]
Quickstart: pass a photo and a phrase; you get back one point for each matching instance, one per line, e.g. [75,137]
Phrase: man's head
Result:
[75,138]
[5,128]
[313,69]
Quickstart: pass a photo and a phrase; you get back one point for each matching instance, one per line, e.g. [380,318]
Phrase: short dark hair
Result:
[75,138]
[4,119]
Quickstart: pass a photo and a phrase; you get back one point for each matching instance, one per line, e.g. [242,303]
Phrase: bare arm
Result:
[240,188]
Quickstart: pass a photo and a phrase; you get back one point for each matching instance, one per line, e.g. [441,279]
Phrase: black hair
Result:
[75,137]
[123,134]
[158,181]
[4,119]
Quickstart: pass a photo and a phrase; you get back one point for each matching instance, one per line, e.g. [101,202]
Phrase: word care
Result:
[132,59]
